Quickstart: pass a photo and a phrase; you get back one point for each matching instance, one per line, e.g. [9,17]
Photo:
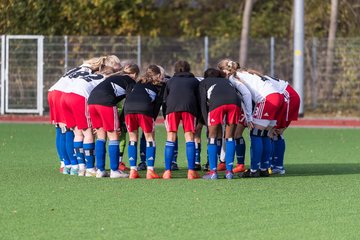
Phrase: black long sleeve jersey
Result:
[181,93]
[144,98]
[111,91]
[215,92]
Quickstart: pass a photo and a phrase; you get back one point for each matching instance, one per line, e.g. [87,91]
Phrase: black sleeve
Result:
[165,93]
[158,101]
[203,101]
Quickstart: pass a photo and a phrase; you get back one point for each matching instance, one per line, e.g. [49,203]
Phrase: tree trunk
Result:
[331,40]
[245,32]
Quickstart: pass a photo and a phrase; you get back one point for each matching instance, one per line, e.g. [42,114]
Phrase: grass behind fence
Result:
[317,199]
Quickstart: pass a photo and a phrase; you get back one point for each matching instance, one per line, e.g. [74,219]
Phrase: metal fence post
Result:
[139,51]
[314,74]
[66,52]
[272,56]
[206,51]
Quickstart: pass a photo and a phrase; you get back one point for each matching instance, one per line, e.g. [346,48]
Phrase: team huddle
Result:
[87,110]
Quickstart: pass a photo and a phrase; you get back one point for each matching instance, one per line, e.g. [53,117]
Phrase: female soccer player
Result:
[268,103]
[141,108]
[289,112]
[75,109]
[64,135]
[219,102]
[181,103]
[104,117]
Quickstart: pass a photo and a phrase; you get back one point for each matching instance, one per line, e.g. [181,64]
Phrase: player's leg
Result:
[172,121]
[142,165]
[197,139]
[212,152]
[132,125]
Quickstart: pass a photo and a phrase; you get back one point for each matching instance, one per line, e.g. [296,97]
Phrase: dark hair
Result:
[182,66]
[212,72]
[152,75]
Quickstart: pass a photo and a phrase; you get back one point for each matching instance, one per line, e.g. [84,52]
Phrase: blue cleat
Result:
[229,175]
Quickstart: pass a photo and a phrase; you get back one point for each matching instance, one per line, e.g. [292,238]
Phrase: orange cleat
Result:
[134,174]
[192,174]
[151,174]
[166,174]
[221,166]
[123,167]
[239,168]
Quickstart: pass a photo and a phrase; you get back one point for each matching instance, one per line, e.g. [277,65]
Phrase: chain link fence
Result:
[334,91]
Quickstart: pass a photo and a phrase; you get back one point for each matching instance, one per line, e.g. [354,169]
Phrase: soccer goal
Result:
[22,74]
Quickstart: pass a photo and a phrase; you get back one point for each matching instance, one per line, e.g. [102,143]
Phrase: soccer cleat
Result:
[61,169]
[134,174]
[221,166]
[264,173]
[211,175]
[206,167]
[174,166]
[66,170]
[239,168]
[229,175]
[249,174]
[192,174]
[90,172]
[279,171]
[123,167]
[197,167]
[74,171]
[101,174]
[151,174]
[82,172]
[118,174]
[166,174]
[142,166]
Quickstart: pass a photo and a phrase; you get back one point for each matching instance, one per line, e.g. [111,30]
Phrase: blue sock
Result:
[79,151]
[114,153]
[176,150]
[198,153]
[143,148]
[279,152]
[256,150]
[150,154]
[272,154]
[267,151]
[132,153]
[190,154]
[240,148]
[70,147]
[218,147]
[58,142]
[100,153]
[169,153]
[89,154]
[64,154]
[212,151]
[229,153]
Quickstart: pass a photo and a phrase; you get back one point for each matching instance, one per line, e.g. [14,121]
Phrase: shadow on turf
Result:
[322,169]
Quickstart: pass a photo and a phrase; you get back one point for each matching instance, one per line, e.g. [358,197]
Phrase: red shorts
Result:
[105,117]
[242,118]
[75,110]
[290,109]
[269,108]
[172,121]
[294,104]
[54,100]
[231,111]
[135,120]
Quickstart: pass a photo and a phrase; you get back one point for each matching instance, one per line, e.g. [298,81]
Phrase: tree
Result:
[245,31]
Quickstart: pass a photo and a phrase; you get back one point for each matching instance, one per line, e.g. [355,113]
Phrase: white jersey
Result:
[247,100]
[85,84]
[258,88]
[63,83]
[279,84]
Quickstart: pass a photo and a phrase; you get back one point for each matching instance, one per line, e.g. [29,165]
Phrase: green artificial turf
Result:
[318,198]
